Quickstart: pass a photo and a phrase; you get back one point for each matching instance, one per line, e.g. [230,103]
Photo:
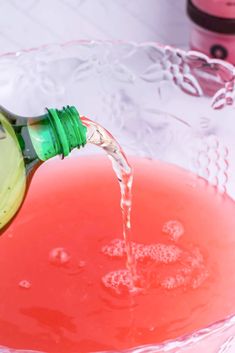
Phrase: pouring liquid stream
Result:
[99,136]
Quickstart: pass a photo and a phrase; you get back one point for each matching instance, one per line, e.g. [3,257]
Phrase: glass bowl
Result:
[159,102]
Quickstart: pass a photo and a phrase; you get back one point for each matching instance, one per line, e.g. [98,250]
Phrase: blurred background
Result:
[31,23]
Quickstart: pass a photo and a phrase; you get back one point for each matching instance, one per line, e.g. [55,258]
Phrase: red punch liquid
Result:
[64,285]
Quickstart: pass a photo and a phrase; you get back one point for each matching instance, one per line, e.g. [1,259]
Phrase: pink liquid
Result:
[64,284]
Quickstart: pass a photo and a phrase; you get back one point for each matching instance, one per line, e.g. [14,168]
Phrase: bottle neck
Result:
[58,132]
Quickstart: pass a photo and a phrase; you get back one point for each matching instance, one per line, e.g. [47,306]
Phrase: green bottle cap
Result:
[58,133]
[70,131]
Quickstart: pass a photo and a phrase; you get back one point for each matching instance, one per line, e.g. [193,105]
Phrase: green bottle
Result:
[27,142]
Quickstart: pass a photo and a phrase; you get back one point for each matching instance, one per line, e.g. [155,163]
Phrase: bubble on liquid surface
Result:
[173,281]
[174,229]
[81,263]
[118,281]
[157,265]
[24,283]
[157,252]
[59,257]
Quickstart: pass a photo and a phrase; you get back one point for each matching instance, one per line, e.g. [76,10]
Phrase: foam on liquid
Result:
[189,268]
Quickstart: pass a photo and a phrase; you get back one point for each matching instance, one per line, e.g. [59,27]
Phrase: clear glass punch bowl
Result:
[159,102]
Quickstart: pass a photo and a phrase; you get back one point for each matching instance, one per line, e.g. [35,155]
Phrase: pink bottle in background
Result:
[213,27]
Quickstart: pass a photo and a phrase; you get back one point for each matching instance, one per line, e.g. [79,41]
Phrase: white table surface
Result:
[31,23]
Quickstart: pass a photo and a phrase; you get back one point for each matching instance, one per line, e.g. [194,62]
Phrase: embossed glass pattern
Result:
[159,102]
